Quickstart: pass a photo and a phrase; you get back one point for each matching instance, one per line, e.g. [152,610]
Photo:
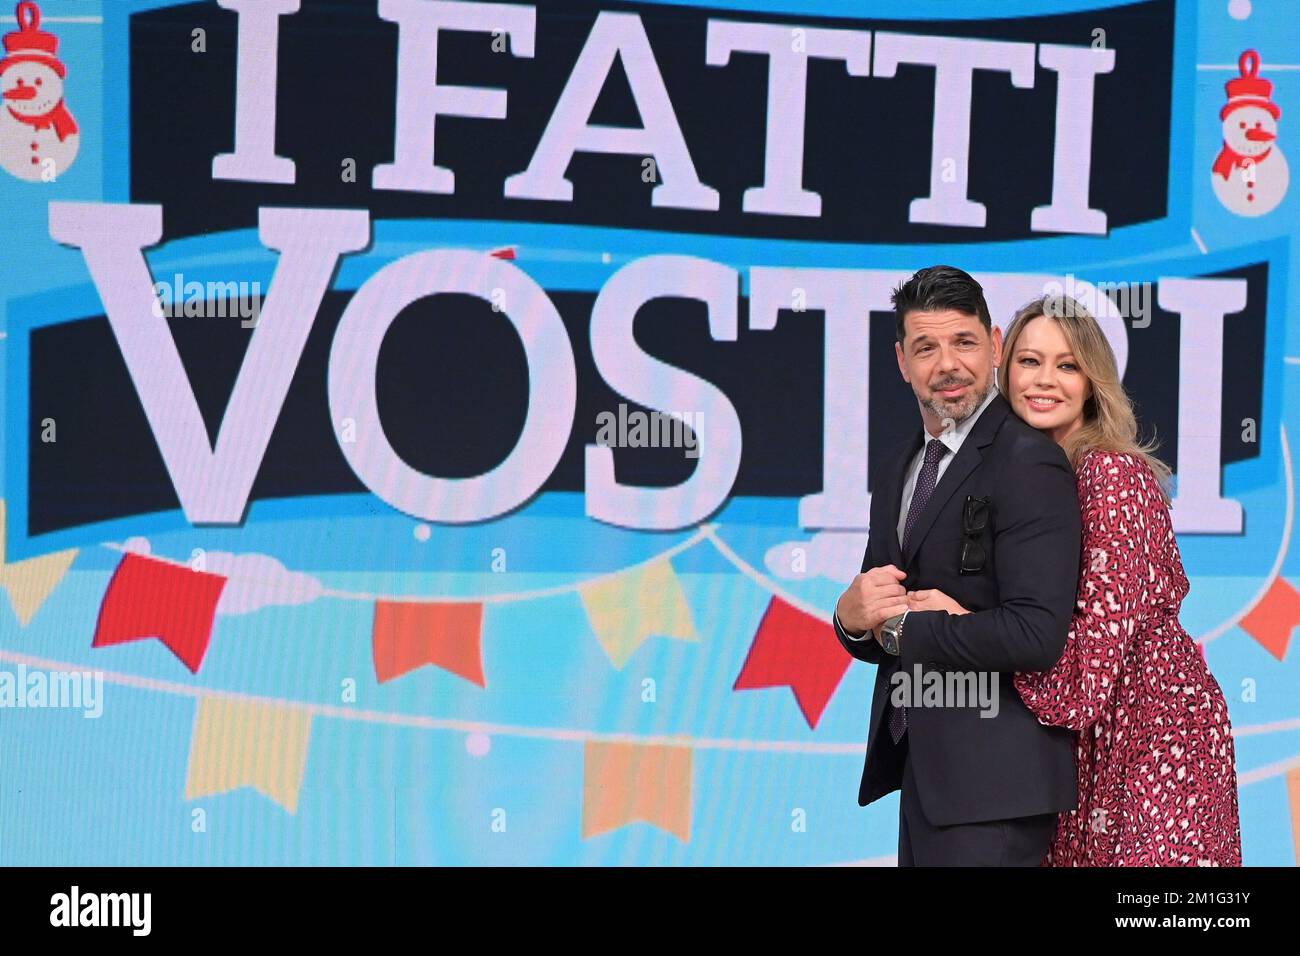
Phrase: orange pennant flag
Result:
[410,634]
[1271,620]
[1293,794]
[623,783]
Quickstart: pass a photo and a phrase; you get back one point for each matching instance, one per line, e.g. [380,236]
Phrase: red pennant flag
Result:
[796,650]
[410,634]
[1271,620]
[151,598]
[505,252]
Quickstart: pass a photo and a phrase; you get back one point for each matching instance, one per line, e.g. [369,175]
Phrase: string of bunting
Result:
[249,742]
[794,646]
[242,741]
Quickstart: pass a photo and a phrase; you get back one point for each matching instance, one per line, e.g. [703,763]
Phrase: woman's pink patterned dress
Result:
[1156,764]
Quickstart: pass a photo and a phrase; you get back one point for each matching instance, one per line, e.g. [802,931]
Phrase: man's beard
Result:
[955,411]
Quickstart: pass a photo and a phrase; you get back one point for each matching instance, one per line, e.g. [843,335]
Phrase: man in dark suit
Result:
[983,507]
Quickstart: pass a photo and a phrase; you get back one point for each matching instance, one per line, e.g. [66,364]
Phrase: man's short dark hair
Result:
[937,289]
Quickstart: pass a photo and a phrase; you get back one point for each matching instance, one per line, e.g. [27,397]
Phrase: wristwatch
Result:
[891,632]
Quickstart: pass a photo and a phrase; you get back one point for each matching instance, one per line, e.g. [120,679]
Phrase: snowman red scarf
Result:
[59,117]
[1229,159]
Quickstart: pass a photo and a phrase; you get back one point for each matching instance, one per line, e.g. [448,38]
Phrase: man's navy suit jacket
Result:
[968,767]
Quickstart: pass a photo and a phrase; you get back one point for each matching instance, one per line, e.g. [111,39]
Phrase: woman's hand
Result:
[932,599]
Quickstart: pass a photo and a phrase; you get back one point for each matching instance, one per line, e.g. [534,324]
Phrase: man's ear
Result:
[902,366]
[997,347]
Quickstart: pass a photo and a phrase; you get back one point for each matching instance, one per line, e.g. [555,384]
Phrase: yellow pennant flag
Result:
[627,609]
[623,783]
[241,743]
[30,582]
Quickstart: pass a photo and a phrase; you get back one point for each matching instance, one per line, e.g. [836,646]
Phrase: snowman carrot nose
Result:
[20,93]
[1260,135]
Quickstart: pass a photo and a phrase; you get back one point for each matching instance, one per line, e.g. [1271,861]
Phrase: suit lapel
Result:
[968,459]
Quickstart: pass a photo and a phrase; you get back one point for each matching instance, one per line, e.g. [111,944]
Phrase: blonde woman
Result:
[1154,754]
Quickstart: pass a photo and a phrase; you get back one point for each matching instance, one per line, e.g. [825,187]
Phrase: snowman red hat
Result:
[30,44]
[1249,89]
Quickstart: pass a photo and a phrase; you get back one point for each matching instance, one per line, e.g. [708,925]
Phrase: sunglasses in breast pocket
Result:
[974,522]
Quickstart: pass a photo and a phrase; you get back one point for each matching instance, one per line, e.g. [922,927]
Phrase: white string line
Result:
[440,723]
[1268,771]
[767,583]
[704,531]
[701,533]
[1252,730]
[709,531]
[855,748]
[1281,551]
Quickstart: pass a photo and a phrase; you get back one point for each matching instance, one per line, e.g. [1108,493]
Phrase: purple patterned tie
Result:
[897,722]
[925,482]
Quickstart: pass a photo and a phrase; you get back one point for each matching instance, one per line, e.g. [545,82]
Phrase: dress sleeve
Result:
[1114,570]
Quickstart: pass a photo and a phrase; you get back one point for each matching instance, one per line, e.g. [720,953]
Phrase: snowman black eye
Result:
[1243,125]
[38,83]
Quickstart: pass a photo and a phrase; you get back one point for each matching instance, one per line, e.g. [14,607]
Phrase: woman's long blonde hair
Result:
[1108,420]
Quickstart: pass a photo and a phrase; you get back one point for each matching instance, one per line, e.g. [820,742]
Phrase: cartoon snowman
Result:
[1250,174]
[39,138]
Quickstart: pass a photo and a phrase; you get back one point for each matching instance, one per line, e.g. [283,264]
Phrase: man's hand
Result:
[873,598]
[933,599]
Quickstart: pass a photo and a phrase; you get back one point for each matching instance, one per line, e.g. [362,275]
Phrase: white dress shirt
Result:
[953,438]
